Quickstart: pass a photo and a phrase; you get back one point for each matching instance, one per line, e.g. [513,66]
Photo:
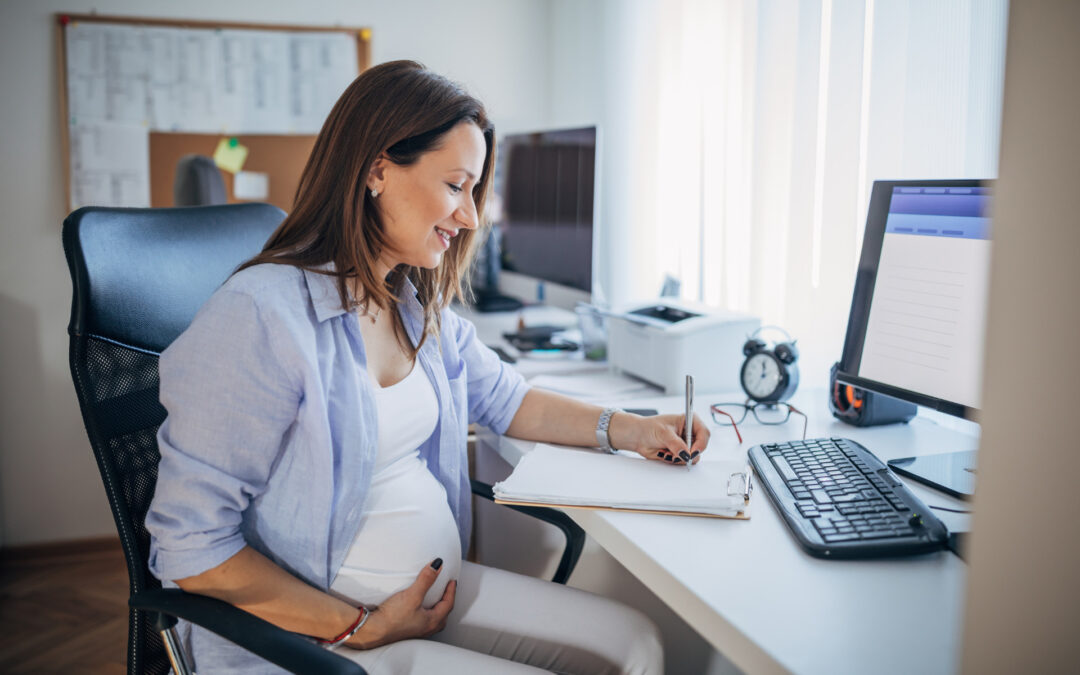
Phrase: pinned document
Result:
[230,155]
[251,185]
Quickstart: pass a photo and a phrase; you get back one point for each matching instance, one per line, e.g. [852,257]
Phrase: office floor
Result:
[63,609]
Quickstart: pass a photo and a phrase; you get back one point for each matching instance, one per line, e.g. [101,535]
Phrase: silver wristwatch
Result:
[603,440]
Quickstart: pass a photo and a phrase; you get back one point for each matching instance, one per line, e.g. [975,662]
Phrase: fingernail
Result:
[695,453]
[436,564]
[667,458]
[685,455]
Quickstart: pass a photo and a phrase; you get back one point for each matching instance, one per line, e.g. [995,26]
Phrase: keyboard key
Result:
[784,468]
[821,497]
[830,538]
[877,534]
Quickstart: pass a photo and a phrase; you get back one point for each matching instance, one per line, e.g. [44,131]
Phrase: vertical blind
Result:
[773,119]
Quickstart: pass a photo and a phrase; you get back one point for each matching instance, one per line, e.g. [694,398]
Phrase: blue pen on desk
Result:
[688,421]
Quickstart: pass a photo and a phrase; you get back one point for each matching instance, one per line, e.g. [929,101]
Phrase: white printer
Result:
[664,341]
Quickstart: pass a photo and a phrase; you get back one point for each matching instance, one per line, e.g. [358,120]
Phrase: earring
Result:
[374,192]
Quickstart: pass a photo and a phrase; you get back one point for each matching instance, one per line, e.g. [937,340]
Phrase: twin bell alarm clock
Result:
[770,373]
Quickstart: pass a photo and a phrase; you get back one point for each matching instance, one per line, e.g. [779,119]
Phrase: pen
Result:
[688,423]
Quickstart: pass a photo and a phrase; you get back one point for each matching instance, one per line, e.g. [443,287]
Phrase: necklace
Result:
[362,310]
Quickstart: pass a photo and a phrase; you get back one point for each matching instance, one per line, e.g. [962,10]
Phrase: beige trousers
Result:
[506,623]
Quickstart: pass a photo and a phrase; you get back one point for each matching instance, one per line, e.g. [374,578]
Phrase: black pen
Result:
[688,424]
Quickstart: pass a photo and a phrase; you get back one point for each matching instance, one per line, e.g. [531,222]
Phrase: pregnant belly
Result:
[406,525]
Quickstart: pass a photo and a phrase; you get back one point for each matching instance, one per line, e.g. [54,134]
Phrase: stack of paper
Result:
[587,478]
[596,384]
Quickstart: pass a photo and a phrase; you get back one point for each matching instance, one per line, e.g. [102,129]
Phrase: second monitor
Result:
[547,183]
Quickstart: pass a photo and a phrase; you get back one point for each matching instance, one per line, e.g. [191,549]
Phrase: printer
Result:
[665,340]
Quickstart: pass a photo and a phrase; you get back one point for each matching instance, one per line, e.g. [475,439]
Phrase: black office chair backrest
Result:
[138,277]
[198,182]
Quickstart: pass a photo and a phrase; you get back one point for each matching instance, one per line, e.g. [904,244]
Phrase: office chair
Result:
[138,278]
[198,182]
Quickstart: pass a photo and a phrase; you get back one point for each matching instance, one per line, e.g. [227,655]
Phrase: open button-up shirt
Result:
[271,434]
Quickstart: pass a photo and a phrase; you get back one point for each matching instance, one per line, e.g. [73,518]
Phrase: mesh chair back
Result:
[138,277]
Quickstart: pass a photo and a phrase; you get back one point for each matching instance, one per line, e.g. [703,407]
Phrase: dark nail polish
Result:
[694,454]
[436,564]
[667,458]
[685,455]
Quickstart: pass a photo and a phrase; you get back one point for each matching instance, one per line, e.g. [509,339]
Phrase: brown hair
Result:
[404,110]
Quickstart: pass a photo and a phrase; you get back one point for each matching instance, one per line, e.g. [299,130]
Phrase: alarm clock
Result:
[769,374]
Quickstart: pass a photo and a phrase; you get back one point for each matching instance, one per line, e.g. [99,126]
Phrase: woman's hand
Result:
[658,437]
[403,616]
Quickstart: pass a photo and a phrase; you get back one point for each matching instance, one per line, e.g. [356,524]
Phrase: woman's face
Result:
[426,204]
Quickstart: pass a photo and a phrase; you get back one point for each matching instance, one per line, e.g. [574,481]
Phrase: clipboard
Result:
[575,478]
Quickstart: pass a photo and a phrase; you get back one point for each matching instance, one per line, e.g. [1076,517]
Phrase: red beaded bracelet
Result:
[350,631]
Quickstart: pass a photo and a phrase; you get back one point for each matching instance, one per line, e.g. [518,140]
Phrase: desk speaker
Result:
[863,408]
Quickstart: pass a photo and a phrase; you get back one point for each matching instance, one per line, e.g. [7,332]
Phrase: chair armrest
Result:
[575,536]
[262,638]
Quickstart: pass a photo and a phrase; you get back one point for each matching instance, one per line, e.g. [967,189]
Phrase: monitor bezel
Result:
[863,293]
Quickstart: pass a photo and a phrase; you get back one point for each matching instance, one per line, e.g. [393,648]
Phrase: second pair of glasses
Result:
[733,414]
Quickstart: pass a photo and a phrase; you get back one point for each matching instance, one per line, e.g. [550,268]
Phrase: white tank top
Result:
[407,521]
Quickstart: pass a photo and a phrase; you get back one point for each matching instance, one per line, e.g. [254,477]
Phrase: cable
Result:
[945,508]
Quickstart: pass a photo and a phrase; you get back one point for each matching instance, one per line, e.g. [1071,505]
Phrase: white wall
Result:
[603,70]
[49,485]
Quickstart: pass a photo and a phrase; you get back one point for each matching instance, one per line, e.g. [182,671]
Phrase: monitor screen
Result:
[546,181]
[918,314]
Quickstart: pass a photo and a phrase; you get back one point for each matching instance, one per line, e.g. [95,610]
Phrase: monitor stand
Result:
[489,301]
[953,472]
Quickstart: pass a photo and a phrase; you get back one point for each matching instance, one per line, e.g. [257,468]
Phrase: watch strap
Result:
[603,438]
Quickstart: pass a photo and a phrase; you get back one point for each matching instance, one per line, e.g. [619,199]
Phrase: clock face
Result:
[761,376]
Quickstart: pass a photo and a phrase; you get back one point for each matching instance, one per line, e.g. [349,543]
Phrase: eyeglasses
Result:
[733,414]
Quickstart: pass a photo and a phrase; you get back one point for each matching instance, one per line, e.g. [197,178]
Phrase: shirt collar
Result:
[325,299]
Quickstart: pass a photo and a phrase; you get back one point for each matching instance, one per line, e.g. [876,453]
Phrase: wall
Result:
[49,489]
[603,69]
[1022,609]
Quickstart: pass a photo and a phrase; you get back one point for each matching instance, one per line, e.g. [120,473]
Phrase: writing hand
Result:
[658,437]
[403,616]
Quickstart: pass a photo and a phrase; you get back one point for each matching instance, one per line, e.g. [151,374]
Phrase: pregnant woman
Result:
[313,462]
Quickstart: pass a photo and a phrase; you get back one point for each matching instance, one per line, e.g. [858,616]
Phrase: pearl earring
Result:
[374,192]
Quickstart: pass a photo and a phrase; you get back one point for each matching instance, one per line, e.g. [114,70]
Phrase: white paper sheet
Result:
[577,477]
[110,165]
[251,185]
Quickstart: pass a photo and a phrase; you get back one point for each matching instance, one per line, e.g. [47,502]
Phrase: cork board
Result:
[121,150]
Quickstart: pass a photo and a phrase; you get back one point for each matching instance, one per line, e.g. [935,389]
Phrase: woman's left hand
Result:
[658,437]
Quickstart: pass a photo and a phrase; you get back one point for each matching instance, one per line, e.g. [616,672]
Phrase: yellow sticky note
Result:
[230,155]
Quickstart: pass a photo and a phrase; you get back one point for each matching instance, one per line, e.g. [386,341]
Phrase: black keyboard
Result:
[840,501]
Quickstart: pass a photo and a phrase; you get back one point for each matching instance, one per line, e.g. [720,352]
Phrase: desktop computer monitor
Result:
[547,181]
[918,313]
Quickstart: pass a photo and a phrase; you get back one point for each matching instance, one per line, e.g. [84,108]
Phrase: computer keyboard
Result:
[840,501]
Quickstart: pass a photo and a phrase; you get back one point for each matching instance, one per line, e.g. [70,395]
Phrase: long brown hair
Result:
[404,110]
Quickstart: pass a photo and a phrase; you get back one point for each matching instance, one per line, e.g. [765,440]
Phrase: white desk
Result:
[754,595]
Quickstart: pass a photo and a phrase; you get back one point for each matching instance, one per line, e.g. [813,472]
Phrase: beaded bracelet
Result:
[350,631]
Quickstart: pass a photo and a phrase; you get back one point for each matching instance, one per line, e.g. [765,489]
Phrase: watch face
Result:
[762,376]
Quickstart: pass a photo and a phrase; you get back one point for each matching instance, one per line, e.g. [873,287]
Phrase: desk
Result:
[755,596]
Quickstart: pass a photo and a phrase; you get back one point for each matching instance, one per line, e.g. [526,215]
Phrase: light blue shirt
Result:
[271,434]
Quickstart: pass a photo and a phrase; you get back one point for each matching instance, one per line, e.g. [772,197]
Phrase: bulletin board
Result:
[138,94]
